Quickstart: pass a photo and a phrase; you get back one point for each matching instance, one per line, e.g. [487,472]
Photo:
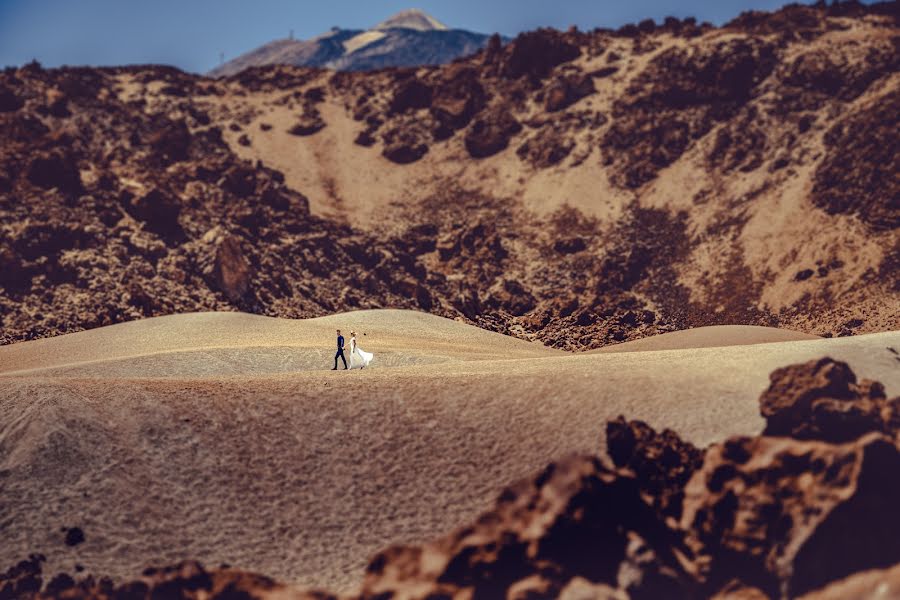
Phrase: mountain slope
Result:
[575,188]
[409,38]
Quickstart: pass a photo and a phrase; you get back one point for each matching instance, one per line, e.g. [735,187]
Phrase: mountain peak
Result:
[413,18]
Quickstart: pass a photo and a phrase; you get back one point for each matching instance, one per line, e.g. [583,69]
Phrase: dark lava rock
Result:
[411,94]
[171,142]
[821,400]
[662,462]
[491,133]
[56,169]
[9,101]
[575,519]
[231,269]
[788,516]
[74,536]
[536,53]
[567,91]
[158,209]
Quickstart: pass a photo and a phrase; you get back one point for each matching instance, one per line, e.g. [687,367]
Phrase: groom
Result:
[340,351]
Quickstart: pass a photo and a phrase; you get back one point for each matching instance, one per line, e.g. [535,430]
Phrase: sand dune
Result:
[135,433]
[709,337]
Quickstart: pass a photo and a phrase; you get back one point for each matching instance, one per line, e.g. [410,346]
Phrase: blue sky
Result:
[190,34]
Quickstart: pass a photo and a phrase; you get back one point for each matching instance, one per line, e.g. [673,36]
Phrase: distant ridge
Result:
[407,39]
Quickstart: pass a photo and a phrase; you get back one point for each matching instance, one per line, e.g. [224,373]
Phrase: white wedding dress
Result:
[358,357]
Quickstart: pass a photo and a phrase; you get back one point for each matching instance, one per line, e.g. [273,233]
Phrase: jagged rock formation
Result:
[408,39]
[821,400]
[760,517]
[575,188]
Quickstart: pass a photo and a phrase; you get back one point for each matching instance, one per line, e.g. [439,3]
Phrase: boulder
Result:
[56,169]
[536,53]
[662,462]
[788,516]
[822,400]
[491,133]
[566,91]
[231,269]
[9,101]
[411,94]
[308,124]
[171,142]
[158,209]
[574,520]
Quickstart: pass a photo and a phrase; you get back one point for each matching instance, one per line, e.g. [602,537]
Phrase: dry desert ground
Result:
[225,437]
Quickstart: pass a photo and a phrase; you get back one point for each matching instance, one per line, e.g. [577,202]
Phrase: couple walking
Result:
[358,357]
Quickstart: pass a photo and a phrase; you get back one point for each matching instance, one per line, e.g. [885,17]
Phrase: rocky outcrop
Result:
[858,175]
[821,400]
[662,462]
[231,270]
[490,133]
[576,519]
[187,581]
[55,169]
[676,101]
[535,54]
[788,517]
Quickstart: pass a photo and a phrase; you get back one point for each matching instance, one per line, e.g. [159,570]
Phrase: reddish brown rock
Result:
[661,462]
[309,123]
[567,91]
[490,133]
[536,53]
[788,516]
[821,400]
[459,96]
[575,520]
[411,94]
[171,142]
[56,169]
[158,209]
[858,174]
[232,271]
[9,101]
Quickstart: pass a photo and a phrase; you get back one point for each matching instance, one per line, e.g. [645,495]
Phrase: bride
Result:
[358,356]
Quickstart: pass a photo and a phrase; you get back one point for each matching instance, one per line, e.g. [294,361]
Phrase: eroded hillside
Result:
[577,188]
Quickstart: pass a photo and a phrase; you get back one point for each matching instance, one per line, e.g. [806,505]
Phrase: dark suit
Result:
[340,352]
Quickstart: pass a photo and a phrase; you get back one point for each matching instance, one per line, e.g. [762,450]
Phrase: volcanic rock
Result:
[171,142]
[158,209]
[459,97]
[788,516]
[567,91]
[9,101]
[22,580]
[56,169]
[576,519]
[310,122]
[490,133]
[662,462]
[858,174]
[821,400]
[411,94]
[232,271]
[536,53]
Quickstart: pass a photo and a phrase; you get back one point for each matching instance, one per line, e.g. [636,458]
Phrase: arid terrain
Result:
[575,188]
[633,296]
[224,437]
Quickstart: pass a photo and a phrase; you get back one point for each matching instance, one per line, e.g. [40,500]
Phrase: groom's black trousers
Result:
[340,353]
